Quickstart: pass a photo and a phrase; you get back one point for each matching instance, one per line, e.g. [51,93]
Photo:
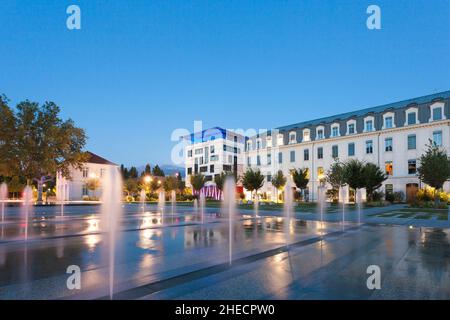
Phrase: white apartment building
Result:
[212,152]
[76,188]
[393,136]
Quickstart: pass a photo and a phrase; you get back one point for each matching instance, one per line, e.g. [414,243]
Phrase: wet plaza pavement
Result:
[175,256]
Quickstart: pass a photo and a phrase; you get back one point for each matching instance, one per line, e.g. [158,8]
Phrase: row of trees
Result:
[434,170]
[35,143]
[150,180]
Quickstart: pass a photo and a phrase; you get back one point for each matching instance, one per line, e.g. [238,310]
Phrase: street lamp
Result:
[147,179]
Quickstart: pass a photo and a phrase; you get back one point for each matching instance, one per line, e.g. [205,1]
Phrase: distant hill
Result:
[167,168]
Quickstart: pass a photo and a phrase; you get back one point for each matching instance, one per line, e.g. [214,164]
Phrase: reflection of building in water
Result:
[205,236]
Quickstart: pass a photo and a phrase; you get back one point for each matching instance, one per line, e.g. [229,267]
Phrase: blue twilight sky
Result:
[139,69]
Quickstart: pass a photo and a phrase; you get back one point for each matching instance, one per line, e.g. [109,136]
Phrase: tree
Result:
[181,185]
[300,178]
[279,181]
[335,176]
[220,179]
[434,168]
[130,186]
[158,172]
[133,173]
[8,130]
[170,183]
[373,178]
[197,181]
[16,186]
[147,171]
[124,172]
[353,174]
[93,184]
[253,180]
[45,144]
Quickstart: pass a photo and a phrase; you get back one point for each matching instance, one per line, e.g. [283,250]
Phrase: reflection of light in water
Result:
[92,239]
[148,237]
[149,221]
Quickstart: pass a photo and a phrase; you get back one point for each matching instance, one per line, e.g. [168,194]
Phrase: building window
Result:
[389,168]
[411,118]
[388,144]
[85,172]
[215,158]
[320,173]
[85,190]
[269,178]
[335,151]
[211,168]
[369,125]
[249,145]
[437,114]
[320,134]
[269,159]
[412,142]
[306,155]
[258,144]
[351,128]
[203,169]
[213,149]
[280,157]
[189,153]
[388,122]
[292,156]
[389,189]
[189,171]
[198,151]
[249,162]
[292,137]
[335,131]
[412,166]
[306,135]
[351,149]
[369,147]
[320,153]
[280,139]
[269,141]
[437,138]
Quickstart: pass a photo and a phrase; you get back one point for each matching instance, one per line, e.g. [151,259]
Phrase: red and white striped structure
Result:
[211,192]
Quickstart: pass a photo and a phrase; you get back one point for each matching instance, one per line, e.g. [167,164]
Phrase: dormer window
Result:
[280,139]
[351,127]
[269,141]
[306,135]
[320,133]
[335,131]
[368,124]
[411,116]
[389,120]
[437,111]
[292,137]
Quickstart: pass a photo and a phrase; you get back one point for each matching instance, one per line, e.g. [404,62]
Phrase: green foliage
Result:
[253,180]
[133,173]
[335,175]
[279,180]
[300,178]
[158,172]
[197,181]
[353,174]
[130,186]
[434,167]
[220,179]
[373,178]
[170,184]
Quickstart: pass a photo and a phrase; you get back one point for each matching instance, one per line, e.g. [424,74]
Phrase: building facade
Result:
[393,136]
[212,152]
[77,187]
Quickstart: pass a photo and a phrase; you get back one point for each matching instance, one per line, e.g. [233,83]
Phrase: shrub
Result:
[390,197]
[377,196]
[333,195]
[399,196]
[129,199]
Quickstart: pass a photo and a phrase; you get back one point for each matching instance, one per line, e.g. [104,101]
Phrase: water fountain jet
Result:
[3,198]
[229,205]
[27,202]
[142,196]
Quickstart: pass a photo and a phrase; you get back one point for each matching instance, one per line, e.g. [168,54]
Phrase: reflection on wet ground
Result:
[176,256]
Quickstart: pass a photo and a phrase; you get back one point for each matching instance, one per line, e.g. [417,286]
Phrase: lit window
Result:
[389,168]
[320,173]
[280,139]
[369,147]
[306,135]
[388,144]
